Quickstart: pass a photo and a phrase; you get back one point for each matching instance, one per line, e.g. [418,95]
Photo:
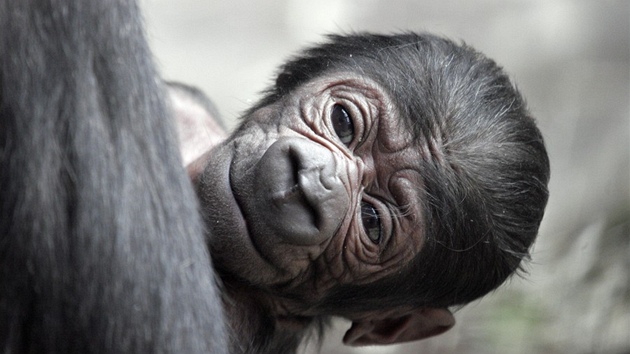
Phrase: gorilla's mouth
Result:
[241,187]
[294,197]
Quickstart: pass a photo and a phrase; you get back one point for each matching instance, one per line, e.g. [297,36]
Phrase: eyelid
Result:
[389,234]
[386,217]
[358,116]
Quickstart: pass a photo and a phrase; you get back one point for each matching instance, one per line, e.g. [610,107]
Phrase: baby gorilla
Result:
[382,179]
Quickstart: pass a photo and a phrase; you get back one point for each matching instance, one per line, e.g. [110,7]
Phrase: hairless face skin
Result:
[352,188]
[320,188]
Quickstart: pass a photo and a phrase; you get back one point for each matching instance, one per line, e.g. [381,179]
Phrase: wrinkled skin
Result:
[284,193]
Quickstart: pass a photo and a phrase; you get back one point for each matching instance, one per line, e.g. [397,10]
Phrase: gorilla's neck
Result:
[256,326]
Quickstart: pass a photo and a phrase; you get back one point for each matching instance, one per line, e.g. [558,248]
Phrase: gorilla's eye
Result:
[371,222]
[342,123]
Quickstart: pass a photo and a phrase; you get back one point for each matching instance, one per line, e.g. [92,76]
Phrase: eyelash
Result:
[369,214]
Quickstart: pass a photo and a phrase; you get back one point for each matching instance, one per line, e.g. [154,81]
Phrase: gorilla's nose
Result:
[300,191]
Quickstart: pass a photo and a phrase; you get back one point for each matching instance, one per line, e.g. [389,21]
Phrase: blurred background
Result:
[570,59]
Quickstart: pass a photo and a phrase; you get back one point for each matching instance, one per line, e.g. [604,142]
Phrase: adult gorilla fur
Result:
[101,247]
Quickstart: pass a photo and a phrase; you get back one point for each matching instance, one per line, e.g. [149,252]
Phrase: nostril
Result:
[295,163]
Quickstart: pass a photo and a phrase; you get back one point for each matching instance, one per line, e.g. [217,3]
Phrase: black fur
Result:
[101,247]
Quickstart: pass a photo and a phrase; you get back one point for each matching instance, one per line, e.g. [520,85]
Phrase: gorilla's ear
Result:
[199,125]
[386,328]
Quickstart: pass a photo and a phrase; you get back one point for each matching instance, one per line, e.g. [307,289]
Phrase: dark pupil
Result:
[371,223]
[342,123]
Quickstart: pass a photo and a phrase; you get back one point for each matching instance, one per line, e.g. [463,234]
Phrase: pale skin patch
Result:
[198,131]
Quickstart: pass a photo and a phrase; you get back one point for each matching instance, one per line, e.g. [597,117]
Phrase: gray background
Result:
[569,58]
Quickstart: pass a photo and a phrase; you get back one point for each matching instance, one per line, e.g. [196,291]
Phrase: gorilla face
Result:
[317,189]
